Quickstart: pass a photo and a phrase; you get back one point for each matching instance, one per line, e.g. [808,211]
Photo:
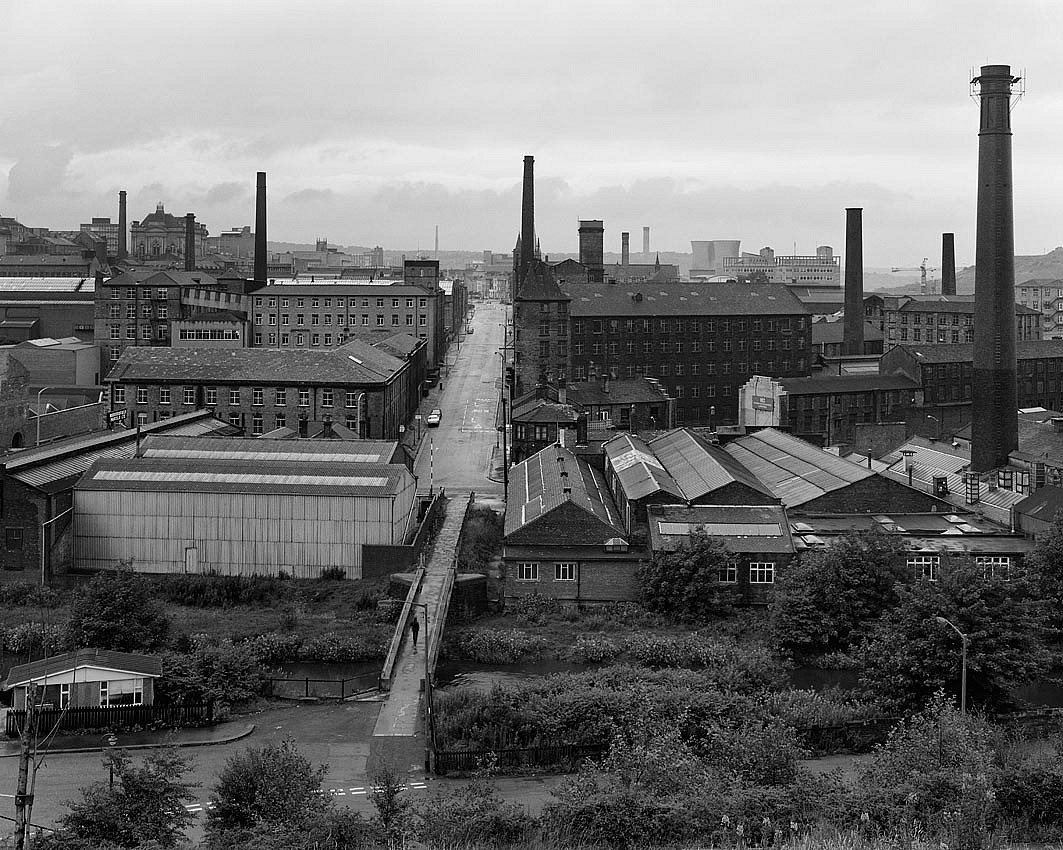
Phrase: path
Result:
[398,738]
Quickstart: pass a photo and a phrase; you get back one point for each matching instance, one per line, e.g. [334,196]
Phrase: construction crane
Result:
[922,268]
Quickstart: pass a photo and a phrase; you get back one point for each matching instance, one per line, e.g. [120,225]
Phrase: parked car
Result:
[434,418]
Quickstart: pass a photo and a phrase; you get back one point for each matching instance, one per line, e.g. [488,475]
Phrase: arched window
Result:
[17,440]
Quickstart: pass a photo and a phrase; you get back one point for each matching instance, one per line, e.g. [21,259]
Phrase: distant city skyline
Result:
[756,121]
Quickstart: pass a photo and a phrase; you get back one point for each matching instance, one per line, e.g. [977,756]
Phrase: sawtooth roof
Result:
[357,362]
[683,298]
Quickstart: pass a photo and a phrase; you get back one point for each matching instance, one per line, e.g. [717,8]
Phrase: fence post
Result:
[308,686]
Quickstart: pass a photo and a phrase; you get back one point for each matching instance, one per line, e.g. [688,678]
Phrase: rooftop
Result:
[829,333]
[795,471]
[820,384]
[257,449]
[1043,504]
[47,284]
[953,304]
[744,528]
[1031,349]
[555,477]
[237,476]
[357,362]
[619,392]
[107,659]
[683,298]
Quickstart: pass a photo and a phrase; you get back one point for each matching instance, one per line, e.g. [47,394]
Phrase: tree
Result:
[271,786]
[826,598]
[908,655]
[145,804]
[1044,566]
[222,673]
[118,610]
[685,582]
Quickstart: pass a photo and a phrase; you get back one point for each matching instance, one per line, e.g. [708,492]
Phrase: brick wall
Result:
[599,577]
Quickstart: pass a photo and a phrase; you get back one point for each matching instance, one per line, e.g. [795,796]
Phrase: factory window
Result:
[119,395]
[565,571]
[116,331]
[380,302]
[727,573]
[258,338]
[315,339]
[164,395]
[304,397]
[328,319]
[409,320]
[234,395]
[258,318]
[422,302]
[162,311]
[256,423]
[272,339]
[326,398]
[145,333]
[142,418]
[422,321]
[131,292]
[284,302]
[257,395]
[350,399]
[142,395]
[395,319]
[130,311]
[189,395]
[285,339]
[212,396]
[409,302]
[300,318]
[235,420]
[299,339]
[315,319]
[117,293]
[925,566]
[280,421]
[314,302]
[994,566]
[272,302]
[328,339]
[116,311]
[527,571]
[379,320]
[761,572]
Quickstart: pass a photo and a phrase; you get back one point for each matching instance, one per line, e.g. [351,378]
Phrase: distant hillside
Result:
[1045,266]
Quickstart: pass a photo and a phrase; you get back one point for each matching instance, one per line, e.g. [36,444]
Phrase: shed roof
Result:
[50,285]
[823,384]
[683,298]
[128,662]
[257,449]
[1029,349]
[357,362]
[640,471]
[795,471]
[1043,504]
[700,467]
[744,528]
[265,476]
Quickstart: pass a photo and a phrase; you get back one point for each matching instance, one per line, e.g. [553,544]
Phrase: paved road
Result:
[457,454]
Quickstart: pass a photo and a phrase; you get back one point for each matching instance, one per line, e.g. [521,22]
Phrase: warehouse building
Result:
[232,517]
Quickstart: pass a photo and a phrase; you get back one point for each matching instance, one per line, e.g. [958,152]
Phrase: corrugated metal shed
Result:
[795,471]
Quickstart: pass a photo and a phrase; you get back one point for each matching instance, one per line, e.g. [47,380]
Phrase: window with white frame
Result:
[142,395]
[351,399]
[258,396]
[189,395]
[122,692]
[164,395]
[925,566]
[527,571]
[565,571]
[118,394]
[234,396]
[727,573]
[212,396]
[994,566]
[304,398]
[762,572]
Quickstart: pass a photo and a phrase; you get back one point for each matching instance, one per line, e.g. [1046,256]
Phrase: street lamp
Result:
[111,740]
[963,668]
[42,390]
[429,715]
[928,416]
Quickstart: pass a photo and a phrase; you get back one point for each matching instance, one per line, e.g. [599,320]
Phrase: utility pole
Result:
[27,754]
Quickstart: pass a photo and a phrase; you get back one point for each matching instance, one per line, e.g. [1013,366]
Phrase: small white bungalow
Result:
[87,678]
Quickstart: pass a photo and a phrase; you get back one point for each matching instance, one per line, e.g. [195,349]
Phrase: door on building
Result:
[191,559]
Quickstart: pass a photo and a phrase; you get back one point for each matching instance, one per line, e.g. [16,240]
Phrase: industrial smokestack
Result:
[261,251]
[645,240]
[994,419]
[592,248]
[948,263]
[123,251]
[853,332]
[190,242]
[625,248]
[527,218]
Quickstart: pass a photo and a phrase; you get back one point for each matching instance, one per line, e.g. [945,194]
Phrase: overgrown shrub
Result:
[351,649]
[273,648]
[495,646]
[806,707]
[481,540]
[534,609]
[24,593]
[333,574]
[217,591]
[730,666]
[36,639]
[118,610]
[473,814]
[215,671]
[592,649]
[1031,796]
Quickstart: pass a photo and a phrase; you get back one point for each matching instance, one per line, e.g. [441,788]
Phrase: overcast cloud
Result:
[376,121]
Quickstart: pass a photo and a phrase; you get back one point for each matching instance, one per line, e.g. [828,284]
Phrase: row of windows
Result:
[760,572]
[668,346]
[147,310]
[209,333]
[258,396]
[341,319]
[931,318]
[161,332]
[680,326]
[992,566]
[680,370]
[161,293]
[271,301]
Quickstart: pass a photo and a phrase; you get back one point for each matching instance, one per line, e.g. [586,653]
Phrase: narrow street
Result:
[457,454]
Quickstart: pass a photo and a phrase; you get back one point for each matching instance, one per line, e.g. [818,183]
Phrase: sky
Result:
[759,120]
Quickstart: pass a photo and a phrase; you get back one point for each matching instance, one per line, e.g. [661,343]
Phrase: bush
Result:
[684,582]
[590,649]
[495,646]
[24,593]
[534,609]
[481,540]
[215,591]
[333,574]
[818,708]
[118,610]
[729,666]
[33,638]
[1032,795]
[273,648]
[345,649]
[475,814]
[223,673]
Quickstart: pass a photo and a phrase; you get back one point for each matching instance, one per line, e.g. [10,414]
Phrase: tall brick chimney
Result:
[527,219]
[625,248]
[261,251]
[123,250]
[645,240]
[592,248]
[994,415]
[948,263]
[853,332]
[190,242]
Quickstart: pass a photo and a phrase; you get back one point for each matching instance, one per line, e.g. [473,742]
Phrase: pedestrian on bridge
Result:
[415,627]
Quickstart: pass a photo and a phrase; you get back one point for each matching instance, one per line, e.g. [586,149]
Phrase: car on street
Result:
[434,418]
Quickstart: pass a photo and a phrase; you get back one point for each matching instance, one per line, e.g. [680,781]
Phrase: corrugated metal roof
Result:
[700,468]
[795,471]
[743,528]
[232,477]
[34,469]
[640,472]
[253,448]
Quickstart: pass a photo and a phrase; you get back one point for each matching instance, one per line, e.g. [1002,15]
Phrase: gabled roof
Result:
[539,285]
[795,471]
[620,392]
[556,479]
[357,362]
[127,662]
[640,471]
[700,467]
